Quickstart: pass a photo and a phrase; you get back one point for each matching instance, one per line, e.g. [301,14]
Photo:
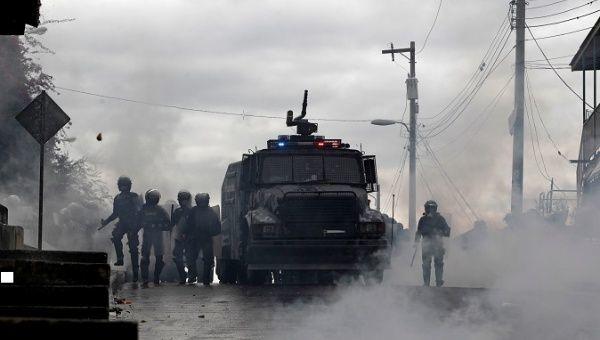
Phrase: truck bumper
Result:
[362,254]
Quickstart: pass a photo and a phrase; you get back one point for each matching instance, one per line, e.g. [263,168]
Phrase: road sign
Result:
[42,118]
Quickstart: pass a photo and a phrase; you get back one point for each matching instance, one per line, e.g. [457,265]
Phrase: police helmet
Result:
[431,206]
[202,199]
[184,195]
[152,197]
[124,183]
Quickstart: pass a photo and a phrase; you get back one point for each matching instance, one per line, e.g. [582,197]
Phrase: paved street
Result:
[236,312]
[227,312]
[275,312]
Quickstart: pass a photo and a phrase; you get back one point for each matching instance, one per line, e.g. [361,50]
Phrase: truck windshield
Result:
[310,168]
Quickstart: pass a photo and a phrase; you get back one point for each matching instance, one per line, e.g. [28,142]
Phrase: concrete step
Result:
[55,256]
[18,328]
[55,312]
[64,296]
[34,273]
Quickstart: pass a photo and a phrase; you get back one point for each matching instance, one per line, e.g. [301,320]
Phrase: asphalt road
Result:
[171,311]
[217,312]
[355,312]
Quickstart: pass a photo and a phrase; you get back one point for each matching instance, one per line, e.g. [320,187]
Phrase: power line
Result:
[424,180]
[561,34]
[478,70]
[399,173]
[553,69]
[183,108]
[485,115]
[566,20]
[530,92]
[553,58]
[547,68]
[533,135]
[451,195]
[448,120]
[561,12]
[547,5]
[404,111]
[397,176]
[456,111]
[450,181]
[468,96]
[437,13]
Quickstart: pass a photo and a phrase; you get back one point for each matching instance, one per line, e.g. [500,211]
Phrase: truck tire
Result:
[257,277]
[374,276]
[227,272]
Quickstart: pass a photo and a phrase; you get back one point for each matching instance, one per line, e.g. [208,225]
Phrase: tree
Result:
[75,196]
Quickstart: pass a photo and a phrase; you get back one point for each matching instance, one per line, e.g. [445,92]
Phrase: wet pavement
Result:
[216,312]
[171,311]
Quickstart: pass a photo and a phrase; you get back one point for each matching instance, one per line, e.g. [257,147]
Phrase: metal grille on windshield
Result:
[279,169]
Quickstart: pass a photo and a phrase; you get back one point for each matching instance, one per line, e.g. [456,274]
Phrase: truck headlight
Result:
[265,230]
[372,228]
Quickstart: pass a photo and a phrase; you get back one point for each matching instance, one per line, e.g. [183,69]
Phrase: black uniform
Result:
[179,222]
[125,207]
[154,220]
[203,224]
[432,228]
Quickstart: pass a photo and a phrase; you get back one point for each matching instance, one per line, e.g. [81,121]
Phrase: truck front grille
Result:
[319,214]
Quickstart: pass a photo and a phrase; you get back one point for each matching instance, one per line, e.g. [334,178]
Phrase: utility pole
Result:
[412,95]
[516,202]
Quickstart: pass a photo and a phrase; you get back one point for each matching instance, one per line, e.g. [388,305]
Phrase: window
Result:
[308,169]
[342,170]
[299,169]
[276,169]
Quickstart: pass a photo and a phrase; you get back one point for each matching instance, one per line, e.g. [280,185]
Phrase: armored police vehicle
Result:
[299,209]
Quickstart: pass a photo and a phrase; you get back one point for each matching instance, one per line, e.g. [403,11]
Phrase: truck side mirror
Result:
[370,168]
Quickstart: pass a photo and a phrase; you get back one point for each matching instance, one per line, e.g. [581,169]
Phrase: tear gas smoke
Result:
[541,284]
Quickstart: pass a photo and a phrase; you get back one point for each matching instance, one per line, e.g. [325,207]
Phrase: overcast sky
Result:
[257,57]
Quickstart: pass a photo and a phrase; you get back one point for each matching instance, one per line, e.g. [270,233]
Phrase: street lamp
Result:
[385,122]
[412,194]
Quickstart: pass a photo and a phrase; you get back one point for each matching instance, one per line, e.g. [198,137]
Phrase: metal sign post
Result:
[42,118]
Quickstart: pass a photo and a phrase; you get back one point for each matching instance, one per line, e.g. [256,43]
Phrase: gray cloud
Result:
[257,57]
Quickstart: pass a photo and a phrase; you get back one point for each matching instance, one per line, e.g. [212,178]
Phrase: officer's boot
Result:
[439,273]
[135,267]
[158,266]
[144,264]
[192,271]
[206,273]
[180,270]
[119,251]
[426,274]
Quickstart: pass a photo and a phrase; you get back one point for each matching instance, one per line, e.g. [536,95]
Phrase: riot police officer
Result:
[432,228]
[203,224]
[179,223]
[154,220]
[125,207]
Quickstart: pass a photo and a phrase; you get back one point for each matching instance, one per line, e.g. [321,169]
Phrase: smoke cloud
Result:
[540,283]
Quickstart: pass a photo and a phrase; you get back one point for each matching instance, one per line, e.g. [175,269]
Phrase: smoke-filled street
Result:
[303,312]
[301,169]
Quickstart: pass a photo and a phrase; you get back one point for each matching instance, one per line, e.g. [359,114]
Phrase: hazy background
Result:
[258,56]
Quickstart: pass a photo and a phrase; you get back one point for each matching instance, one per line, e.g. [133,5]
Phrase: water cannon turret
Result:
[304,127]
